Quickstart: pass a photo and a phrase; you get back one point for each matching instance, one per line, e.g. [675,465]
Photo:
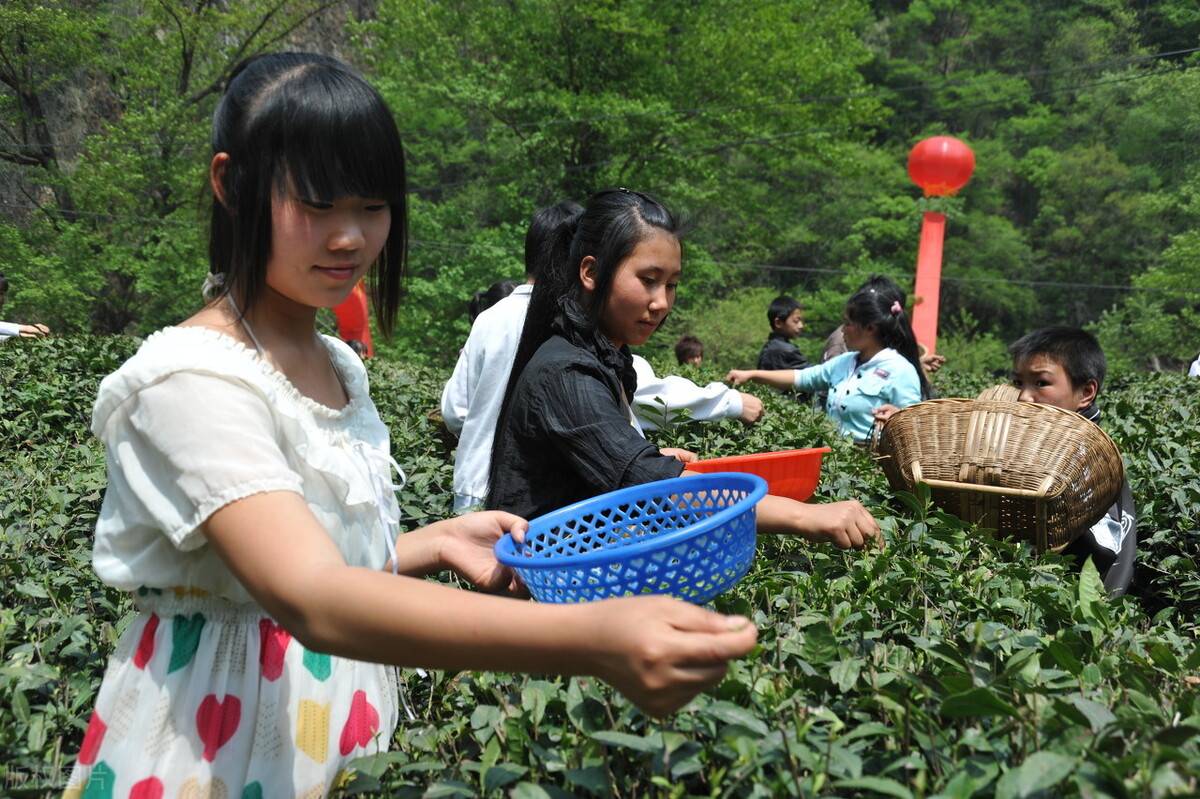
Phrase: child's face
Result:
[1044,380]
[858,337]
[320,249]
[643,289]
[695,360]
[792,325]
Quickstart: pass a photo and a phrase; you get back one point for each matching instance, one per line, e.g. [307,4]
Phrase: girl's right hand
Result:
[34,331]
[737,377]
[467,547]
[660,652]
[752,408]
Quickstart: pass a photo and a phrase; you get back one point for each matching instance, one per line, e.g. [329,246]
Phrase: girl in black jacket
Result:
[566,430]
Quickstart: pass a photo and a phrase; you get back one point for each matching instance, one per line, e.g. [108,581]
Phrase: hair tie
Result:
[214,286]
[896,309]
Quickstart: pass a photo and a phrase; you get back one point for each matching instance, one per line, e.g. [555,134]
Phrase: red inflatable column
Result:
[929,279]
[940,165]
[353,318]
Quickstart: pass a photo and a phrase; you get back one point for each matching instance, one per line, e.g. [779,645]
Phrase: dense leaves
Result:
[781,129]
[948,664]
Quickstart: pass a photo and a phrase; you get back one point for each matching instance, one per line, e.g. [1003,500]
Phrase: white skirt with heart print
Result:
[203,698]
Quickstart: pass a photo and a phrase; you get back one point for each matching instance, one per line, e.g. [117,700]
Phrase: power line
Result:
[102,217]
[967,280]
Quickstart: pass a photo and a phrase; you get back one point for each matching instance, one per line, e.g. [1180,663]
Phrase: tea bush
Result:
[949,664]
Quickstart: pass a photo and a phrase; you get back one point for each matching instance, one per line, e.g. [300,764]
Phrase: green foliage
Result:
[781,131]
[506,108]
[948,664]
[105,115]
[969,350]
[57,623]
[732,329]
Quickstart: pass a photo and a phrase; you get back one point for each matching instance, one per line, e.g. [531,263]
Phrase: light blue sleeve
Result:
[820,377]
[906,387]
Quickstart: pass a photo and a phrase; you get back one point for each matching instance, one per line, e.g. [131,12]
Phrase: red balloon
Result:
[941,165]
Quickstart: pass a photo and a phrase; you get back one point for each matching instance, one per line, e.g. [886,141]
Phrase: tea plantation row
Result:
[949,664]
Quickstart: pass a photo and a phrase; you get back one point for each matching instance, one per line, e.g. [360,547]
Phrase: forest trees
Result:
[104,114]
[780,129]
[714,106]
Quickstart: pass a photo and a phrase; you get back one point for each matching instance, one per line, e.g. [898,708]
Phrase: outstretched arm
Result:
[782,379]
[846,525]
[288,563]
[671,394]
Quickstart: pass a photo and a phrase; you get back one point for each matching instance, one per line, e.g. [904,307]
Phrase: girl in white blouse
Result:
[251,506]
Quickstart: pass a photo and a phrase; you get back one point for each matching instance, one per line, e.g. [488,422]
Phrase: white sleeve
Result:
[456,395]
[187,446]
[9,329]
[658,395]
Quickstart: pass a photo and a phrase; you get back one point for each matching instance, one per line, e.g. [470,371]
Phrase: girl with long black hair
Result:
[251,513]
[566,430]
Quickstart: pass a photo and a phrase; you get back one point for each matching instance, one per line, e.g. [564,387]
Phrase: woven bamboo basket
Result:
[1029,471]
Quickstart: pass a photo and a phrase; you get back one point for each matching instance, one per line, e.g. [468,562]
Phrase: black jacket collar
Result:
[573,324]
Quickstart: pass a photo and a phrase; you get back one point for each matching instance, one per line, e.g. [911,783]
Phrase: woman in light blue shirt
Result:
[882,366]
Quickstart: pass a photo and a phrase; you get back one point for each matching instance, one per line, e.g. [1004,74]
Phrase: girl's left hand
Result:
[682,455]
[884,412]
[467,548]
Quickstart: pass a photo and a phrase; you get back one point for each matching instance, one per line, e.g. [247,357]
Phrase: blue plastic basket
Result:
[690,537]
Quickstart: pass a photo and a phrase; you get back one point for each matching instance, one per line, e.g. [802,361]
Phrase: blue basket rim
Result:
[505,548]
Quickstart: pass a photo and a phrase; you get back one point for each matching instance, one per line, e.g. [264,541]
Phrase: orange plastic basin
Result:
[792,473]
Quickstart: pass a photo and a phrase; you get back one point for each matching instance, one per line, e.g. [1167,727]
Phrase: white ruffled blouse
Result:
[196,420]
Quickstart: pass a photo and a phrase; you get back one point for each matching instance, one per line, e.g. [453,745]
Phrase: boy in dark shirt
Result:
[1065,367]
[787,320]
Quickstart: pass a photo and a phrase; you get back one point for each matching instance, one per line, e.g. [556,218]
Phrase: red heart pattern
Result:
[145,648]
[217,721]
[92,739]
[149,788]
[275,642]
[361,725]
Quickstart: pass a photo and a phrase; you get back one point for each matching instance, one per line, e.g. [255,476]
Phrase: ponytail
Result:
[880,302]
[547,246]
[554,281]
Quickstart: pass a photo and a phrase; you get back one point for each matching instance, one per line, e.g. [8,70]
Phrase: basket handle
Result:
[987,433]
[952,485]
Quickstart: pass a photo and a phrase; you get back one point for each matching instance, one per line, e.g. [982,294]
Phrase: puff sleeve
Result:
[186,446]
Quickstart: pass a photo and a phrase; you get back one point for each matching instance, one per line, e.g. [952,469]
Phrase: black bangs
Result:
[331,135]
[304,123]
